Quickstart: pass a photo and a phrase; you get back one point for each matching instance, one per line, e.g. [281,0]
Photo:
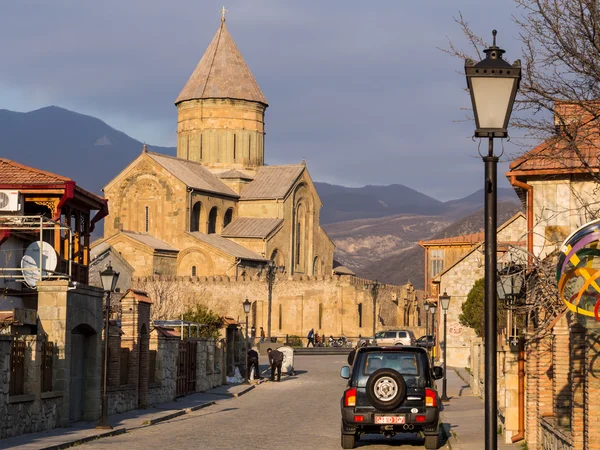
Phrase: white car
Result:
[394,337]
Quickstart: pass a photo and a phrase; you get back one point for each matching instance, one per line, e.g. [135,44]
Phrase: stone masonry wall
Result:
[329,304]
[33,411]
[163,390]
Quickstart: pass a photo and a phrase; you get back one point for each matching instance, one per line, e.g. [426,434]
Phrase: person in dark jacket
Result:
[311,337]
[253,363]
[275,360]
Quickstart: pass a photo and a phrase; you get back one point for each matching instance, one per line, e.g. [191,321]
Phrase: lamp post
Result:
[373,289]
[493,85]
[433,308]
[426,308]
[270,270]
[445,302]
[109,280]
[247,306]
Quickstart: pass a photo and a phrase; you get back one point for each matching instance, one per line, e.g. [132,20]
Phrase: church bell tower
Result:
[221,110]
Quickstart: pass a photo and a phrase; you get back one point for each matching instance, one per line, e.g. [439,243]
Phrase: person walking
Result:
[275,360]
[262,334]
[253,364]
[311,338]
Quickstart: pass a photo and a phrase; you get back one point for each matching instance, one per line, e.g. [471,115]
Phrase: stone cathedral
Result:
[216,209]
[207,220]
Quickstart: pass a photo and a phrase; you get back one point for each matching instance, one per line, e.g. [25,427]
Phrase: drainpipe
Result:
[529,188]
[521,358]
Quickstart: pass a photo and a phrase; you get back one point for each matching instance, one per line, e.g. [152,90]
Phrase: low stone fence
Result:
[32,408]
[163,367]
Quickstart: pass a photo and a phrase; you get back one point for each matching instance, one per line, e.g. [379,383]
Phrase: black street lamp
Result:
[509,288]
[432,309]
[270,270]
[109,279]
[445,302]
[493,85]
[247,306]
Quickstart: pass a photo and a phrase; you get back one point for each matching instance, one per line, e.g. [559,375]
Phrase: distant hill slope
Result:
[408,264]
[68,143]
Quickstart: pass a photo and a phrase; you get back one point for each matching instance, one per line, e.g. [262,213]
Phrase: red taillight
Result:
[430,397]
[350,397]
[420,418]
[359,418]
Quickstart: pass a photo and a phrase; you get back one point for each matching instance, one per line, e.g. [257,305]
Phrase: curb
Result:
[237,394]
[64,445]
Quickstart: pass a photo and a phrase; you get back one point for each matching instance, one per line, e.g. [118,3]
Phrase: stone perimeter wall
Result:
[329,304]
[34,411]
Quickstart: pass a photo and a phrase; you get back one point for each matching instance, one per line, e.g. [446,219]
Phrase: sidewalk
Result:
[463,416]
[81,432]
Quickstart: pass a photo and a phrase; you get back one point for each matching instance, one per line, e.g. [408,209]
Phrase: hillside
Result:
[407,264]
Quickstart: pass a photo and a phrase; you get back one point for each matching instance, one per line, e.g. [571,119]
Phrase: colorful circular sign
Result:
[578,275]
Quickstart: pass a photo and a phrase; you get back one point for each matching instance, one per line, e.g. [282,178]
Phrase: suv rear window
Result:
[409,365]
[402,334]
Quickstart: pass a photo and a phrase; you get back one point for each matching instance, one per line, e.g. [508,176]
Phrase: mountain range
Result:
[375,228]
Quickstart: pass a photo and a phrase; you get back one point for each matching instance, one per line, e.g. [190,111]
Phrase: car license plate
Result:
[389,419]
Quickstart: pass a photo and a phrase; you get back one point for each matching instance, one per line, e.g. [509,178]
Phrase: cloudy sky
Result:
[359,89]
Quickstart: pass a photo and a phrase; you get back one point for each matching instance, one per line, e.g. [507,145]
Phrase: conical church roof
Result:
[222,73]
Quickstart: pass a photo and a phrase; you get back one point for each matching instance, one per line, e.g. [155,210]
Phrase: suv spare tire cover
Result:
[386,389]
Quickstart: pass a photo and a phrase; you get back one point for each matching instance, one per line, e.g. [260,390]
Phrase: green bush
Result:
[295,341]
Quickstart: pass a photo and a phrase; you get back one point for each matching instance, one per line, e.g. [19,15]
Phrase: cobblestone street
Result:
[300,412]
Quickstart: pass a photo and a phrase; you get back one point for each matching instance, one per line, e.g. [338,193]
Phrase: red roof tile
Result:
[12,173]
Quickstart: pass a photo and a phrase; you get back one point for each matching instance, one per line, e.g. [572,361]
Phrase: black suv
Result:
[390,390]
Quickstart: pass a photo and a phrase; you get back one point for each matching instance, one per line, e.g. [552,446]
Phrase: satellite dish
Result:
[30,263]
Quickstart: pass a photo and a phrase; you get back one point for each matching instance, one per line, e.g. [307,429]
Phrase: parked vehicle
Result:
[390,390]
[394,337]
[426,341]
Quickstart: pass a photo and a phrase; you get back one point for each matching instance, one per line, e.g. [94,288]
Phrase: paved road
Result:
[300,412]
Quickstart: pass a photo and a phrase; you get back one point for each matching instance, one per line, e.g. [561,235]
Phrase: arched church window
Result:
[280,317]
[195,219]
[193,271]
[228,217]
[360,315]
[212,221]
[299,231]
[234,145]
[316,266]
[201,148]
[146,218]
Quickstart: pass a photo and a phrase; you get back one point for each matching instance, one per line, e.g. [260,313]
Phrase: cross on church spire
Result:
[223,11]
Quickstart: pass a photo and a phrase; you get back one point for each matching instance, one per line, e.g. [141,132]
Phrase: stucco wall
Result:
[457,282]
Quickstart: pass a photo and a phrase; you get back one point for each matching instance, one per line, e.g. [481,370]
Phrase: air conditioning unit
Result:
[11,201]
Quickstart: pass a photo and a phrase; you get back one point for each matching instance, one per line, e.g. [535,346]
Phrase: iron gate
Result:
[186,368]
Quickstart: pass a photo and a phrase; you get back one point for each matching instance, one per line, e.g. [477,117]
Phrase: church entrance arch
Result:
[83,342]
[316,266]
